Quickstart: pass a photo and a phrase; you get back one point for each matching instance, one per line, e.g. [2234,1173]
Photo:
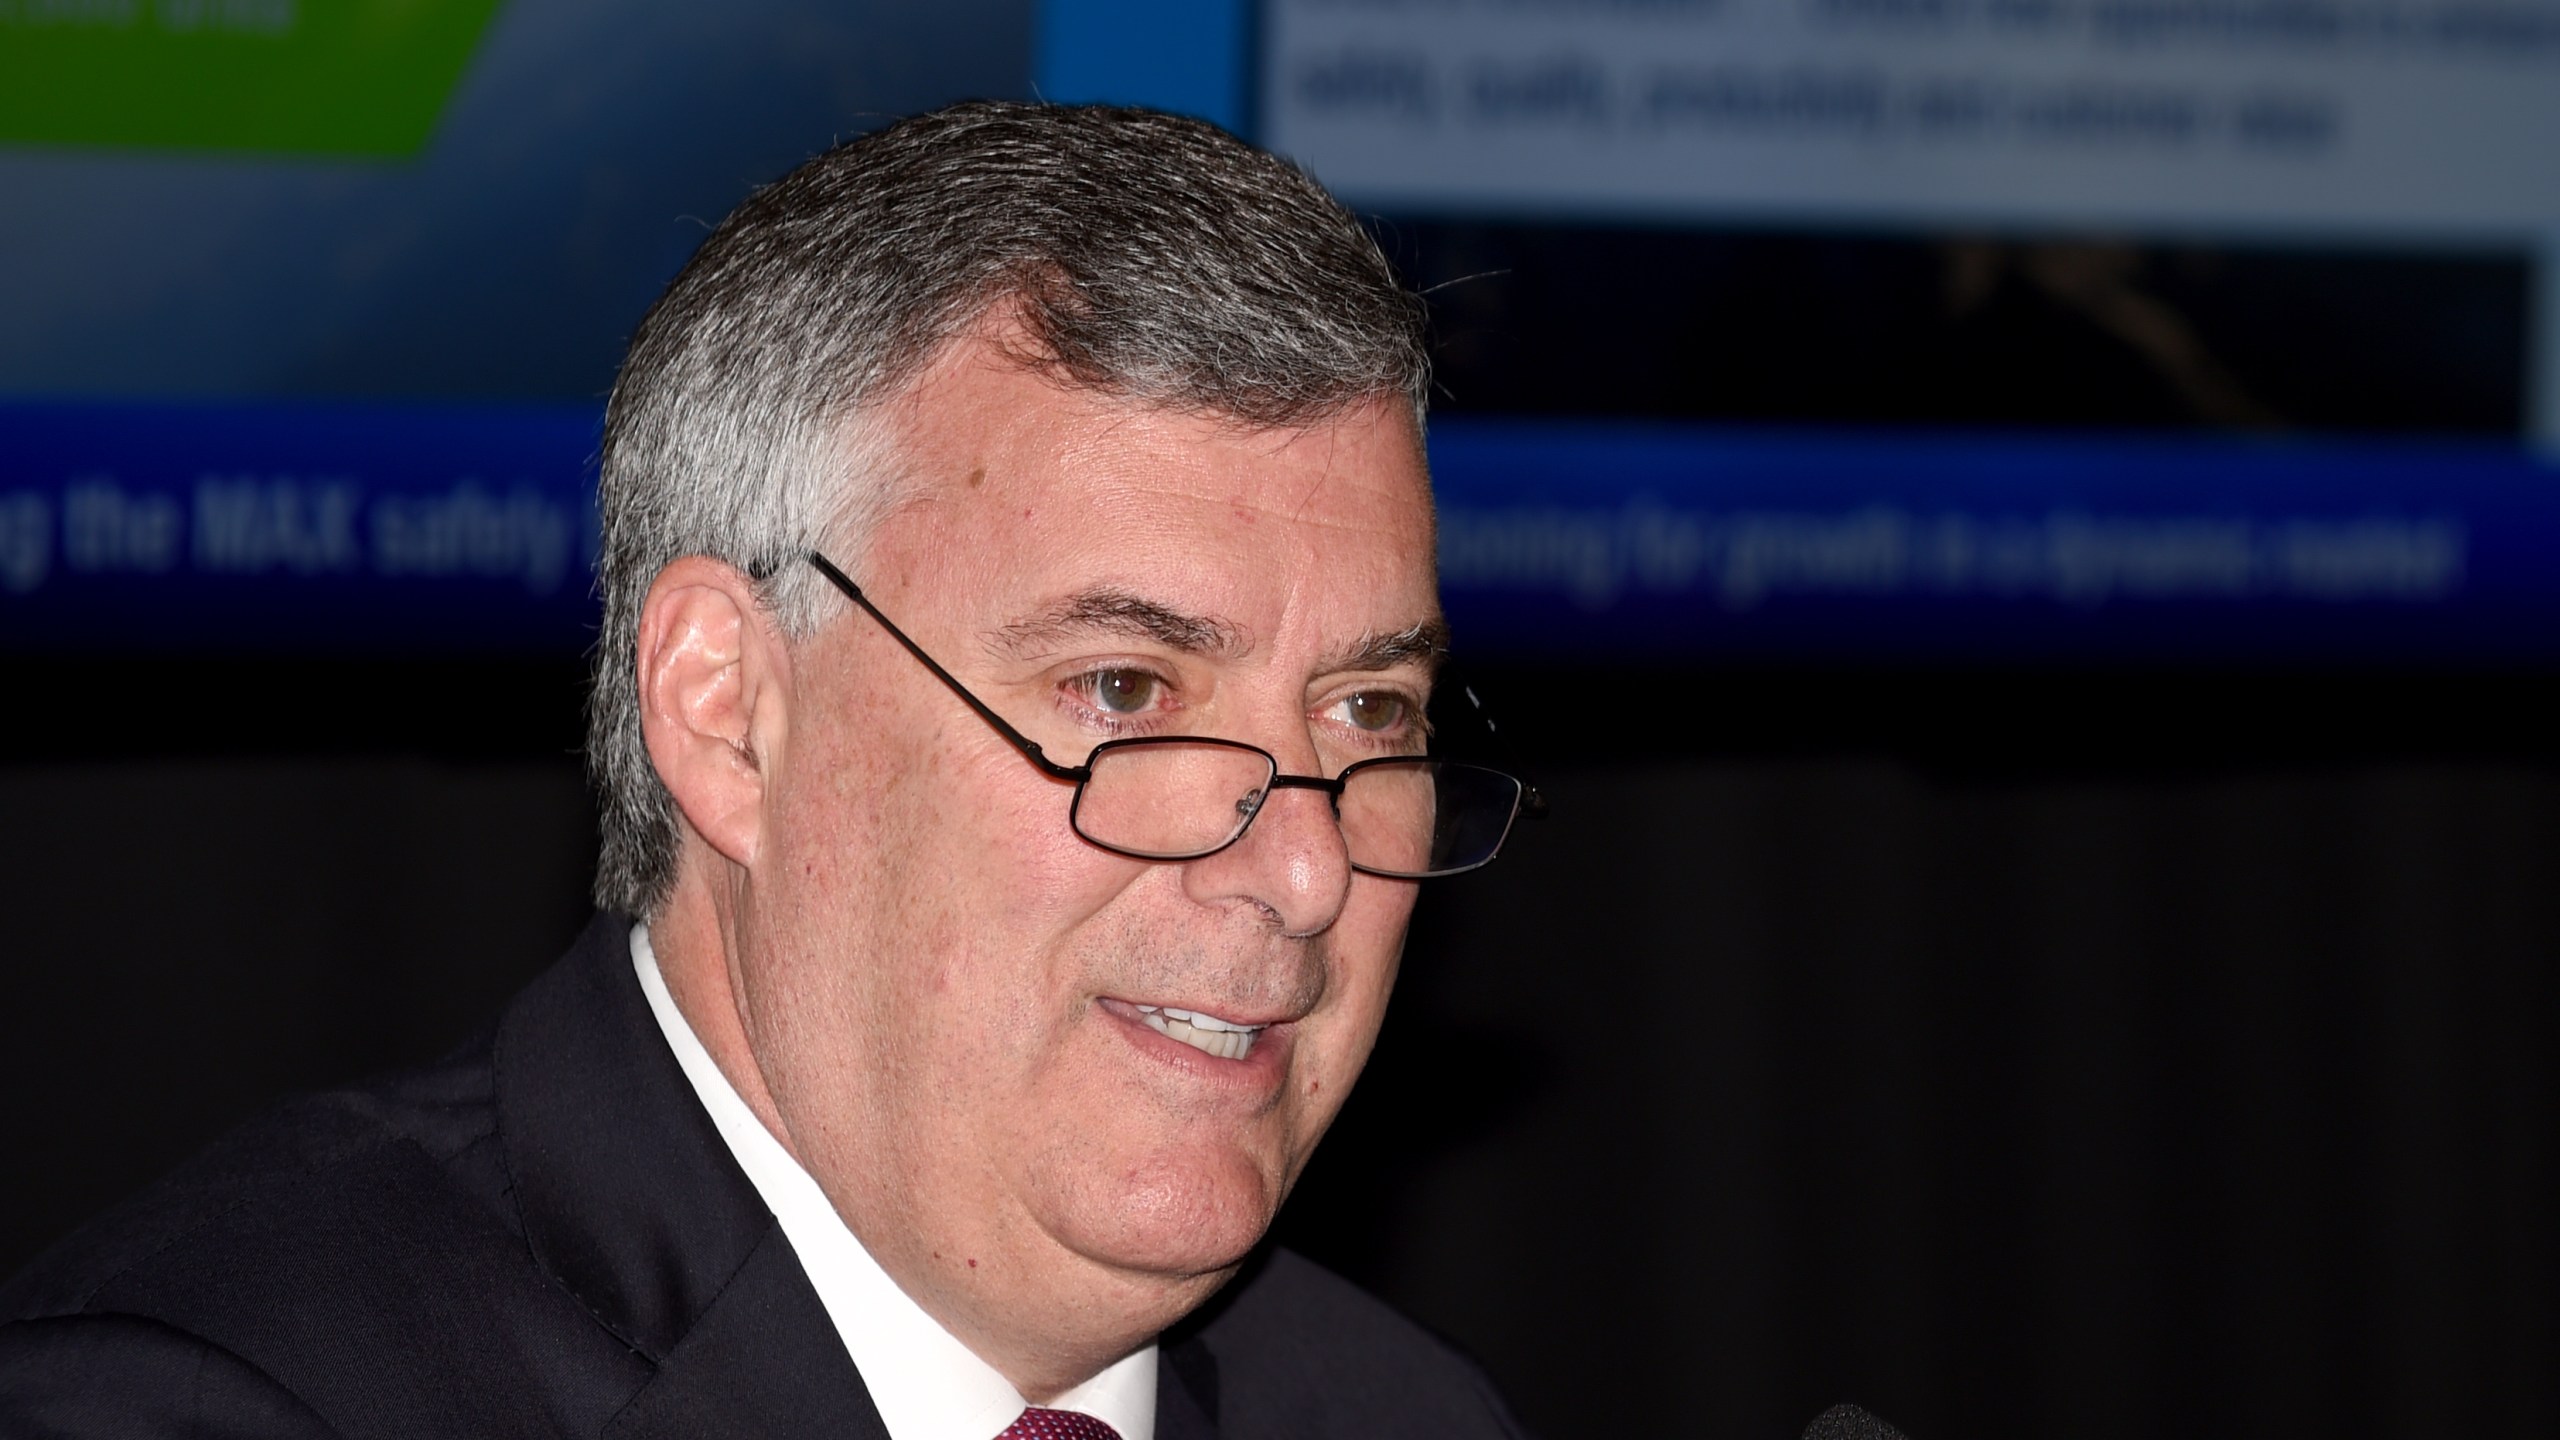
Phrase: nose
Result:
[1290,864]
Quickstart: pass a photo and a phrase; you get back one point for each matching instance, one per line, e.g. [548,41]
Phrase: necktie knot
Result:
[1038,1424]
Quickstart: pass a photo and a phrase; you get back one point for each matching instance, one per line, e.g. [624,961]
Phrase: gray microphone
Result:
[1848,1422]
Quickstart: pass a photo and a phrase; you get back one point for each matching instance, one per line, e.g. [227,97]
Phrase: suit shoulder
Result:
[1300,1350]
[133,1378]
[268,1185]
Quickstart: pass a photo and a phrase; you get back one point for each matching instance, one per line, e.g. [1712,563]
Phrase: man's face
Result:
[939,980]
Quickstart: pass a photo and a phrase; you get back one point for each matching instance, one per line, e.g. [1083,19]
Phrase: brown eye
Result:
[1375,710]
[1123,692]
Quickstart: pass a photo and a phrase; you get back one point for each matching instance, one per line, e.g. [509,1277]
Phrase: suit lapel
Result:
[631,1200]
[1186,1390]
[763,1360]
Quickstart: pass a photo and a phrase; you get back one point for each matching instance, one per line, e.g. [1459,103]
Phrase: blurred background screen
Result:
[1998,329]
[2023,536]
[311,305]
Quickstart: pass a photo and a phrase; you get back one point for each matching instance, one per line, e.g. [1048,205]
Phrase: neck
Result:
[693,945]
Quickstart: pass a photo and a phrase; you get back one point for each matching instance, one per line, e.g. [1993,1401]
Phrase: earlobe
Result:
[709,665]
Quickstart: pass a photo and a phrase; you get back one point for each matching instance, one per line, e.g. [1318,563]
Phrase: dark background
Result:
[1788,326]
[2016,1054]
[2119,1050]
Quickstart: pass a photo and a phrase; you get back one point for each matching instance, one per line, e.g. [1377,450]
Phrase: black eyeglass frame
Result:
[1528,802]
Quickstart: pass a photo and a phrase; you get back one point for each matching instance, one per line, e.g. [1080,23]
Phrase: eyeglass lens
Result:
[1179,799]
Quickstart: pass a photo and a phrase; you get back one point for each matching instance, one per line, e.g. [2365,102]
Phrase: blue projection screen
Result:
[1975,330]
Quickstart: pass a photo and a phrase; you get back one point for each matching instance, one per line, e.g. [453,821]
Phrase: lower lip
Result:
[1262,1068]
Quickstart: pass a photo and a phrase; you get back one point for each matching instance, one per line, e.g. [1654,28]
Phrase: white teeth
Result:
[1205,1033]
[1198,1021]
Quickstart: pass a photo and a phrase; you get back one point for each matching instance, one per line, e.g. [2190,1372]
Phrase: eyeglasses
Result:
[1182,797]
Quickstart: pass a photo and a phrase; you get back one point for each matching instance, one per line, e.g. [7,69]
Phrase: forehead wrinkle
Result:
[1102,610]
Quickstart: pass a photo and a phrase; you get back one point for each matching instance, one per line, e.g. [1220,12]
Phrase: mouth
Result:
[1208,1034]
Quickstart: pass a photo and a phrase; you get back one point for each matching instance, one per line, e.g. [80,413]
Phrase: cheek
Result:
[1369,950]
[1369,939]
[913,806]
[948,886]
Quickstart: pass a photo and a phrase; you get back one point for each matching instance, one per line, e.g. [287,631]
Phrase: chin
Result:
[1180,1216]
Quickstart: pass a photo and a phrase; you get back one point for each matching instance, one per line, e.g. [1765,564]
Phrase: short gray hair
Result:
[1146,255]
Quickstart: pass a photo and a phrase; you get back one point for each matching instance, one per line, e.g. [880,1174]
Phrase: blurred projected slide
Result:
[2414,118]
[278,528]
[357,77]
[2164,329]
[308,307]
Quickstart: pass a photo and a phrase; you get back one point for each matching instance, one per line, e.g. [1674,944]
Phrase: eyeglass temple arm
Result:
[1533,803]
[1029,747]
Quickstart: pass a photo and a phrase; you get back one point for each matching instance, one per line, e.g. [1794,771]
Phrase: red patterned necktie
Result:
[1038,1424]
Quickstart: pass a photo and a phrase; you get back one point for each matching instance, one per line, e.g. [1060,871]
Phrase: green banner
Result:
[305,77]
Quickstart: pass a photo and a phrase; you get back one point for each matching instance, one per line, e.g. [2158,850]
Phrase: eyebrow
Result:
[1118,612]
[1426,643]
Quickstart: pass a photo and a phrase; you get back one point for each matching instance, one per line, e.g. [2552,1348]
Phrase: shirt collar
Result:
[924,1382]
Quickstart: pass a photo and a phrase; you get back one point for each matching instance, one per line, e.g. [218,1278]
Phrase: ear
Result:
[714,677]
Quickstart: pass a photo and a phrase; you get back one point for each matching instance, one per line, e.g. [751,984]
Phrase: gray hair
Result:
[1146,256]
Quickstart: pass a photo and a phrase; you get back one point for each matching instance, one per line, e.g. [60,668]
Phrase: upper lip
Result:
[1230,1014]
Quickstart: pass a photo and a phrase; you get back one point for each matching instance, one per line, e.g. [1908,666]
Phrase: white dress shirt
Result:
[926,1384]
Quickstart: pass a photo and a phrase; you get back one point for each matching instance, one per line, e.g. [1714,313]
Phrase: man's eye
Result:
[1122,692]
[1375,710]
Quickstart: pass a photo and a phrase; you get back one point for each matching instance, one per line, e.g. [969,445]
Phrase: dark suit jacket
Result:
[543,1234]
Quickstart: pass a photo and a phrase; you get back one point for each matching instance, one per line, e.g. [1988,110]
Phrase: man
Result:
[1009,721]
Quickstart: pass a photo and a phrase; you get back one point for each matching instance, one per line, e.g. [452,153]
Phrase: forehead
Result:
[1027,492]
